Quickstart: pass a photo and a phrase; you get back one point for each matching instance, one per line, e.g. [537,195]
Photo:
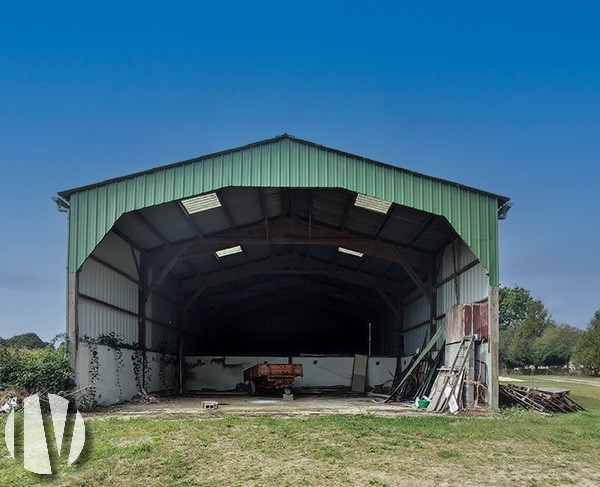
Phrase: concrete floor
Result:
[303,405]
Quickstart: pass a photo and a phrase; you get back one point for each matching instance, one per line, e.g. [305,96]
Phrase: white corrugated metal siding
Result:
[119,254]
[469,284]
[108,301]
[102,283]
[96,319]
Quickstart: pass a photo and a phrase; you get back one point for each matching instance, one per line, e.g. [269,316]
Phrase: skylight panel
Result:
[372,203]
[344,250]
[228,251]
[201,203]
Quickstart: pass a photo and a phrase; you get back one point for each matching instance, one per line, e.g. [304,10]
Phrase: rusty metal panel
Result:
[454,325]
[467,319]
[273,370]
[468,287]
[283,162]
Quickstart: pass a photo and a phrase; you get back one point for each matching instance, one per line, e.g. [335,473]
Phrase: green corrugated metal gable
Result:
[283,162]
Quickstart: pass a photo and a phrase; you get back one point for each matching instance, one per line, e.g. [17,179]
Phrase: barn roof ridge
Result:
[66,194]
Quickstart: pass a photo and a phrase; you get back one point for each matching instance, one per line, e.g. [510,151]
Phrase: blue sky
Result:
[503,96]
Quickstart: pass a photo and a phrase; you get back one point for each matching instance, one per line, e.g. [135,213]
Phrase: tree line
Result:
[529,337]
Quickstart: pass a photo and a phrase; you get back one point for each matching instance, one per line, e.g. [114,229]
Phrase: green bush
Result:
[587,349]
[41,371]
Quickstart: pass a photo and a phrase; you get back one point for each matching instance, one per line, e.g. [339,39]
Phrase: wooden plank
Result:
[424,352]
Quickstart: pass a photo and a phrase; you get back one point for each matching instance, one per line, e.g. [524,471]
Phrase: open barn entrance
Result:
[284,272]
[282,251]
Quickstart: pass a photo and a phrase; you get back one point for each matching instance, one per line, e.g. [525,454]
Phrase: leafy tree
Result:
[587,349]
[521,351]
[26,340]
[555,345]
[514,303]
[528,335]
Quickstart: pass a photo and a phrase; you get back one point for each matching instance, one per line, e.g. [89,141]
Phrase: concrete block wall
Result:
[115,380]
[224,373]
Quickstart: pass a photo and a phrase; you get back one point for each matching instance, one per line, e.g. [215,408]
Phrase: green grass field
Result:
[512,448]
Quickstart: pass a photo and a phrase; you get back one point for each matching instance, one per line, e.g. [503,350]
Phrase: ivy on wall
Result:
[139,365]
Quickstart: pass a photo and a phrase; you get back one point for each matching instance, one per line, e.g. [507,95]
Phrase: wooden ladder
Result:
[449,388]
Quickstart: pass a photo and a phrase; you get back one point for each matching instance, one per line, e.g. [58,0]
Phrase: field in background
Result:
[511,448]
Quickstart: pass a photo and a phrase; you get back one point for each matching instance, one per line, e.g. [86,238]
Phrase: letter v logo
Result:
[35,449]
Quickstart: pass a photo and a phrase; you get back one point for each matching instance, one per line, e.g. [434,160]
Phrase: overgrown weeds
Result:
[42,371]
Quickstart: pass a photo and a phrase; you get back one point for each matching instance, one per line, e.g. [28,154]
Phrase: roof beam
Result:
[386,298]
[422,229]
[189,219]
[347,210]
[165,270]
[284,265]
[330,287]
[168,246]
[226,210]
[348,307]
[384,220]
[289,281]
[247,305]
[427,292]
[263,205]
[151,227]
[288,231]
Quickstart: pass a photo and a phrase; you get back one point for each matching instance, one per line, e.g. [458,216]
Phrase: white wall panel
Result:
[115,380]
[116,252]
[471,285]
[100,282]
[456,256]
[96,319]
[224,373]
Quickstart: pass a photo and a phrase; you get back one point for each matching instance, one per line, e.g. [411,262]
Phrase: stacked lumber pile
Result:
[542,400]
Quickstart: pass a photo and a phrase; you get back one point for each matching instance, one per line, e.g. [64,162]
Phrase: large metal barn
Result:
[179,277]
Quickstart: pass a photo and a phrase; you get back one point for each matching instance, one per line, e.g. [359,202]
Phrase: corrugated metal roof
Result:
[283,162]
